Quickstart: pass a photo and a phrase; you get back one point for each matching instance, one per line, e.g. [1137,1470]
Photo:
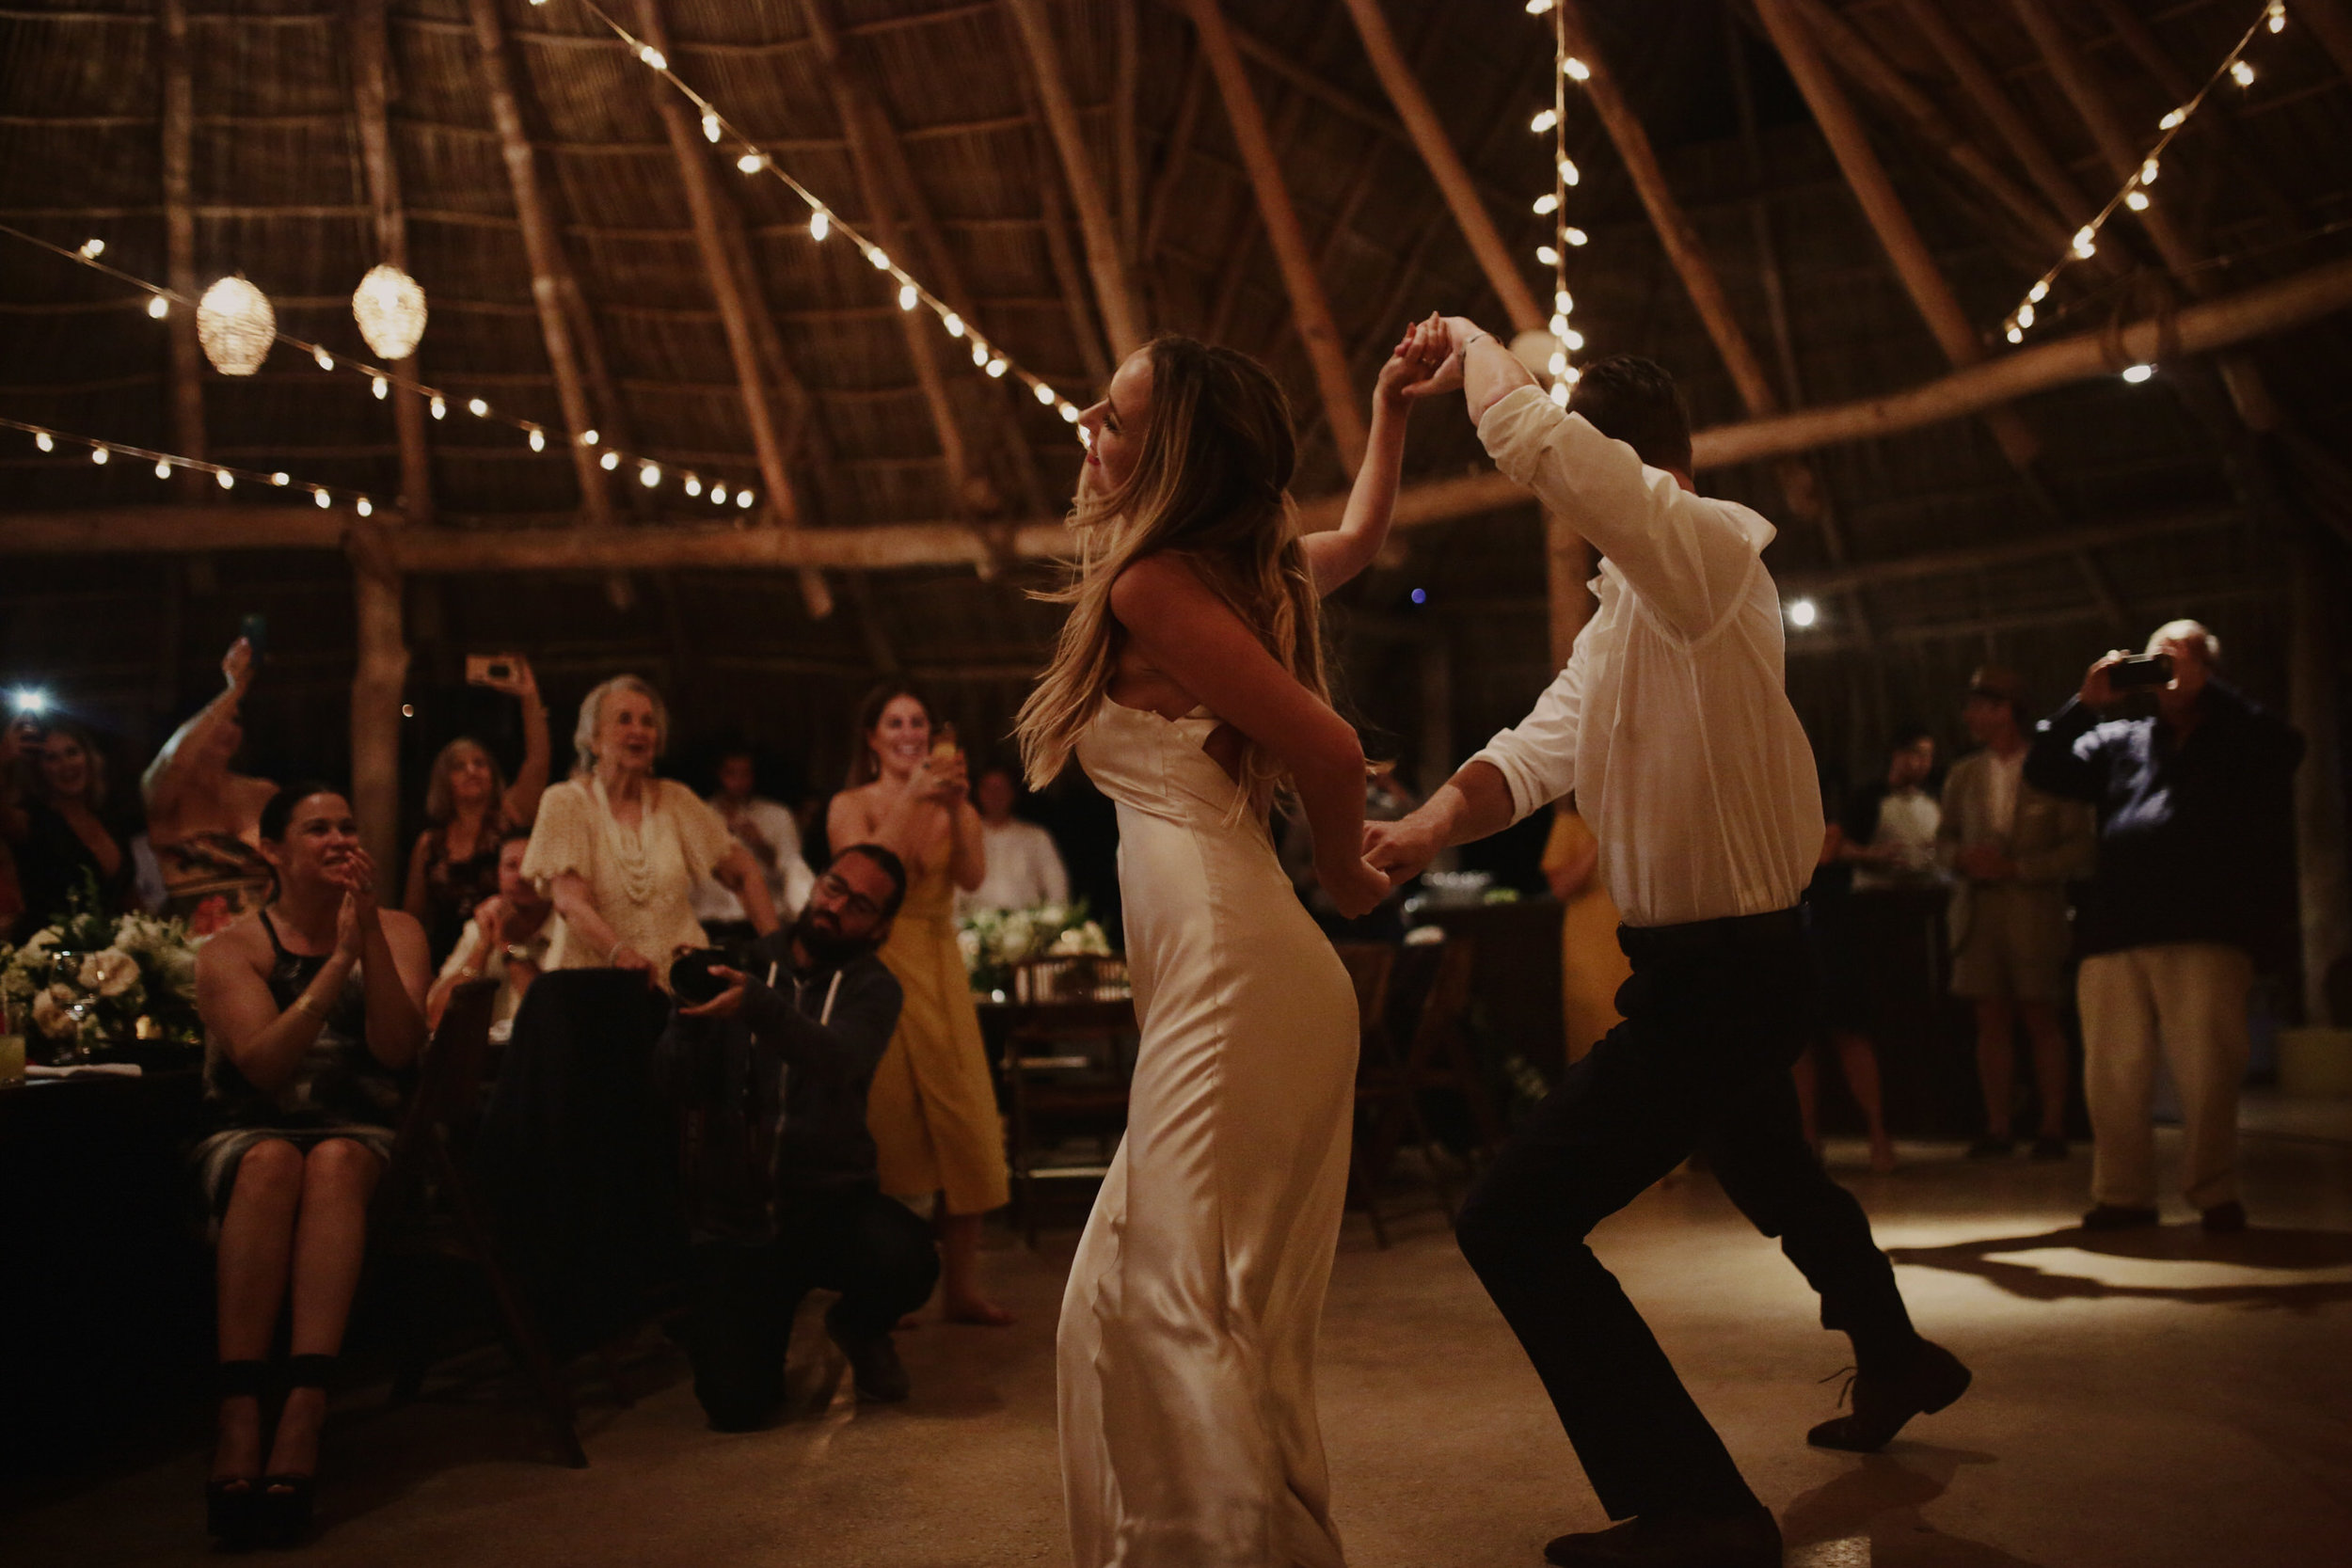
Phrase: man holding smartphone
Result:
[2195,880]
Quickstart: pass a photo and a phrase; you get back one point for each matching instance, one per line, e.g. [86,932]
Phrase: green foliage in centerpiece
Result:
[90,979]
[994,940]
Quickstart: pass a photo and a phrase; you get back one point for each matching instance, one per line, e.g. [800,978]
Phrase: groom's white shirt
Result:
[1671,722]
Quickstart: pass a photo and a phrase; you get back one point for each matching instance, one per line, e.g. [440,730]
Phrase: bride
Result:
[1189,683]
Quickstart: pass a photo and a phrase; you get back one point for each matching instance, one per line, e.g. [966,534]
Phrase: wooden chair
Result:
[1440,1055]
[1385,1092]
[428,1210]
[1065,1068]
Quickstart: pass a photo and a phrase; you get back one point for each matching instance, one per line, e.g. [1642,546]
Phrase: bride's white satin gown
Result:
[1187,1337]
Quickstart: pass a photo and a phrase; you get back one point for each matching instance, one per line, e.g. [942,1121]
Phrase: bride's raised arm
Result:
[1338,554]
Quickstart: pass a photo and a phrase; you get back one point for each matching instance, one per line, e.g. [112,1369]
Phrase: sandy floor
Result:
[2159,1399]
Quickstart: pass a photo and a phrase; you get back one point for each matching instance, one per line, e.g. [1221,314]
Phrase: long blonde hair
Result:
[1211,484]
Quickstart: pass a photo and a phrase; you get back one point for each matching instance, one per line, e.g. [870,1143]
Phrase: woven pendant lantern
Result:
[236,325]
[388,304]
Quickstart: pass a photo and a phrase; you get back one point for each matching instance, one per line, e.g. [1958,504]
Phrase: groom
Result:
[1671,724]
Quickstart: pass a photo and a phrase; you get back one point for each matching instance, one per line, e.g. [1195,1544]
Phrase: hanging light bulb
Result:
[609,461]
[2242,74]
[477,407]
[390,307]
[874,253]
[820,225]
[228,481]
[1563,301]
[909,297]
[1548,256]
[1569,174]
[2135,200]
[92,249]
[588,438]
[41,439]
[1545,120]
[953,323]
[1044,393]
[2014,333]
[326,361]
[2172,120]
[163,467]
[744,499]
[1576,236]
[538,439]
[364,507]
[648,475]
[236,325]
[996,368]
[321,498]
[1559,325]
[382,389]
[2137,374]
[2039,292]
[1574,339]
[98,455]
[281,481]
[438,408]
[158,307]
[718,495]
[1537,7]
[1577,70]
[652,56]
[2086,242]
[2148,172]
[1546,204]
[752,163]
[710,127]
[693,486]
[979,352]
[2025,315]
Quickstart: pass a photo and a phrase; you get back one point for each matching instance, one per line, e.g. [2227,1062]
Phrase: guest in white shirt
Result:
[1025,869]
[1671,724]
[506,938]
[765,829]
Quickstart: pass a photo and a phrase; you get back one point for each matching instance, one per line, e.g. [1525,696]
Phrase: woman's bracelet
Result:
[304,1005]
[1473,339]
[614,951]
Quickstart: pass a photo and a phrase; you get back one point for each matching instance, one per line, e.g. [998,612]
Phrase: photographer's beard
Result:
[818,934]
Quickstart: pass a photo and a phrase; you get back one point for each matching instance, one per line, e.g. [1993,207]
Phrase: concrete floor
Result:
[2157,1399]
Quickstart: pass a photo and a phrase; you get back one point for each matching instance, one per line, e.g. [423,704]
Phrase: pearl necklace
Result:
[631,856]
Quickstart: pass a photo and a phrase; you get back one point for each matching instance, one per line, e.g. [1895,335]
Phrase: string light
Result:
[909,297]
[538,439]
[2137,374]
[438,407]
[228,481]
[2133,195]
[652,56]
[163,467]
[93,248]
[1546,204]
[381,387]
[718,495]
[1566,68]
[166,464]
[609,461]
[648,476]
[326,361]
[98,455]
[158,307]
[321,497]
[281,480]
[588,438]
[41,439]
[820,225]
[954,323]
[478,408]
[752,163]
[1545,120]
[744,499]
[711,128]
[1044,393]
[364,507]
[693,486]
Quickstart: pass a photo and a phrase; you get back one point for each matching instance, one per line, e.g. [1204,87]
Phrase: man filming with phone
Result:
[2195,880]
[771,1069]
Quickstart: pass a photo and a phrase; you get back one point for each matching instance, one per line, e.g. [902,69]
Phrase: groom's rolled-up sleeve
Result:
[1537,756]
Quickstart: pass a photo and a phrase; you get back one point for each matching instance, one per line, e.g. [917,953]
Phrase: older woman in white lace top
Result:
[620,850]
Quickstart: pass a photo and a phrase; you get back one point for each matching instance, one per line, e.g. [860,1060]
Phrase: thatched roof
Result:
[280,194]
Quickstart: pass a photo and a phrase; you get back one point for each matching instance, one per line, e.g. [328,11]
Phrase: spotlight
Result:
[1803,614]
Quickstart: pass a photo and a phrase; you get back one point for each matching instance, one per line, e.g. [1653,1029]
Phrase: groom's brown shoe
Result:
[1748,1539]
[1928,1380]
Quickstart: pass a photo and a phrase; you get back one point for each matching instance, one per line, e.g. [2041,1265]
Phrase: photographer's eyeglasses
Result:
[836,886]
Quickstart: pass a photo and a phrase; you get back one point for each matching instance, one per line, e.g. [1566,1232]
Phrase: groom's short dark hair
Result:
[1633,400]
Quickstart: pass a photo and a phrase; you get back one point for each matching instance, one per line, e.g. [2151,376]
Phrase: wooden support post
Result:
[2324,898]
[1317,330]
[1445,165]
[1114,292]
[375,688]
[1849,144]
[179,166]
[544,245]
[1126,150]
[691,154]
[370,82]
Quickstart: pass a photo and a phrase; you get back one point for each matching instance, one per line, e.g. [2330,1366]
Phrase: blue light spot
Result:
[1420,595]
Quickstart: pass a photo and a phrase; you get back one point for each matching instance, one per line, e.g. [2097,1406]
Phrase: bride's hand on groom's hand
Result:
[1424,365]
[1352,886]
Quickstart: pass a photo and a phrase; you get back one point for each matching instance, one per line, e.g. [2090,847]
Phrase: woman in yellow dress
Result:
[1592,965]
[932,1109]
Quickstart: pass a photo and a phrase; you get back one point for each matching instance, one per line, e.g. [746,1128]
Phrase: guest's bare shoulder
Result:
[240,942]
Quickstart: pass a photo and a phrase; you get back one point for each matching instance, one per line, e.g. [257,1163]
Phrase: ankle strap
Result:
[241,1377]
[309,1371]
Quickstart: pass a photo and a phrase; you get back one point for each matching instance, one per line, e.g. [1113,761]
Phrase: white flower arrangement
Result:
[994,941]
[90,980]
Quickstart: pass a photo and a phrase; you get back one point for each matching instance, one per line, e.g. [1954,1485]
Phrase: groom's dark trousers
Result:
[1714,1014]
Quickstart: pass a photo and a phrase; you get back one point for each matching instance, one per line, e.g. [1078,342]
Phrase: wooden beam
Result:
[1067,273]
[1123,317]
[1127,147]
[1991,99]
[2332,24]
[376,681]
[2010,552]
[2201,328]
[544,246]
[1161,204]
[1444,162]
[1849,144]
[691,154]
[367,29]
[1317,330]
[178,171]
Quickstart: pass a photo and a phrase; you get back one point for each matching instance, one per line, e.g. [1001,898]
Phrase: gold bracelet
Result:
[305,1006]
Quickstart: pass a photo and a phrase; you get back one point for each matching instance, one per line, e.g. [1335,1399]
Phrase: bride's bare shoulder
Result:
[1156,586]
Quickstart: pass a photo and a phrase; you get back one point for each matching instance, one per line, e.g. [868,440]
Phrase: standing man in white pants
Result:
[2196,875]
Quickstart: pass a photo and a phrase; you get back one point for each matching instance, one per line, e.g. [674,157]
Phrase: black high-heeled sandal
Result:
[229,1500]
[283,1501]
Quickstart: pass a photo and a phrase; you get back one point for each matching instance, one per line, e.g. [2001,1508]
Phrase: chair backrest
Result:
[1448,999]
[1070,977]
[451,1075]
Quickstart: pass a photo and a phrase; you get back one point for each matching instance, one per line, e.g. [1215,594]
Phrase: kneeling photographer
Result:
[771,1069]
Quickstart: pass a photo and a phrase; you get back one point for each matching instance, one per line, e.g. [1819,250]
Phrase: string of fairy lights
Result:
[1553,203]
[2132,196]
[46,439]
[241,328]
[824,221]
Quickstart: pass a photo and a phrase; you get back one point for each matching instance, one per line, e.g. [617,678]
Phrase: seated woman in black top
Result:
[57,834]
[313,1006]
